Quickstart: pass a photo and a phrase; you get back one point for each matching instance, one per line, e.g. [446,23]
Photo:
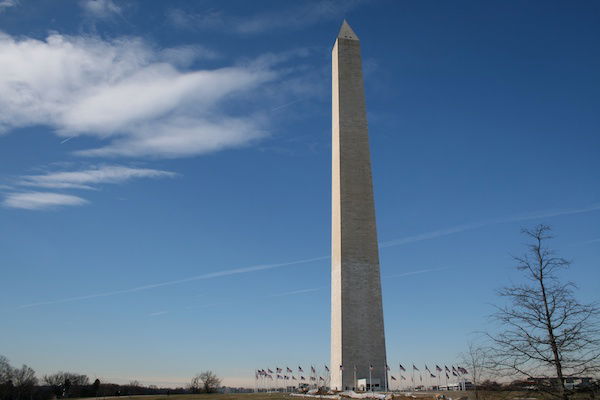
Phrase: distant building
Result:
[463,385]
[365,386]
[571,383]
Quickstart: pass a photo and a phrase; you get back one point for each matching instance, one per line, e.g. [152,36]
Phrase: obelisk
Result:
[357,334]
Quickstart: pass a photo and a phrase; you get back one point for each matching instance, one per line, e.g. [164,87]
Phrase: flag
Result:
[402,368]
[437,368]
[453,369]
[321,378]
[447,375]
[370,367]
[300,369]
[312,369]
[392,376]
[446,368]
[415,368]
[269,369]
[278,370]
[454,373]
[342,367]
[288,369]
[432,375]
[326,368]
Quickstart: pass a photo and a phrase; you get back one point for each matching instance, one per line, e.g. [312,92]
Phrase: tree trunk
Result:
[561,382]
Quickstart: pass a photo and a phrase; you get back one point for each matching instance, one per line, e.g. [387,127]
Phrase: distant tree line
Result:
[22,384]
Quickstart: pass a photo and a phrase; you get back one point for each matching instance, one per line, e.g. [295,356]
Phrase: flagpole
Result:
[370,384]
[387,379]
[354,378]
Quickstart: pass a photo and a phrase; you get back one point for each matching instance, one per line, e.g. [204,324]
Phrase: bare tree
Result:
[475,358]
[5,370]
[195,384]
[24,380]
[207,382]
[544,331]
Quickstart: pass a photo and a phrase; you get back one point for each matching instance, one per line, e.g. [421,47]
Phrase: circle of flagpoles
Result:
[286,379]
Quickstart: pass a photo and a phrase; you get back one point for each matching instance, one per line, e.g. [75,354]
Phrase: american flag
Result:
[278,369]
[402,368]
[446,368]
[437,368]
[288,369]
[432,375]
[392,376]
[300,369]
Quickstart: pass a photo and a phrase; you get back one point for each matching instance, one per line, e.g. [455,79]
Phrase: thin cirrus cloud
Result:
[88,178]
[41,200]
[139,100]
[85,179]
[294,17]
[100,8]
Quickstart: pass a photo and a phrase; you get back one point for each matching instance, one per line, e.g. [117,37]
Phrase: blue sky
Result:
[165,175]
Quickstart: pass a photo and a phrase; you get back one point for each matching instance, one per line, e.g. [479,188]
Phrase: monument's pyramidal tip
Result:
[346,32]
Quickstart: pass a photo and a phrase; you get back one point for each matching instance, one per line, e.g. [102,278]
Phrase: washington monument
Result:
[357,334]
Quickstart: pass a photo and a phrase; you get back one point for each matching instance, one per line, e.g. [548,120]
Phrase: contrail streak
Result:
[66,140]
[390,243]
[476,225]
[418,272]
[210,275]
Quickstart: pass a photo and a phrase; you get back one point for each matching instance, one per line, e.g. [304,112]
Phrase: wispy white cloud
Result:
[295,17]
[84,179]
[100,8]
[157,313]
[4,4]
[141,100]
[41,200]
